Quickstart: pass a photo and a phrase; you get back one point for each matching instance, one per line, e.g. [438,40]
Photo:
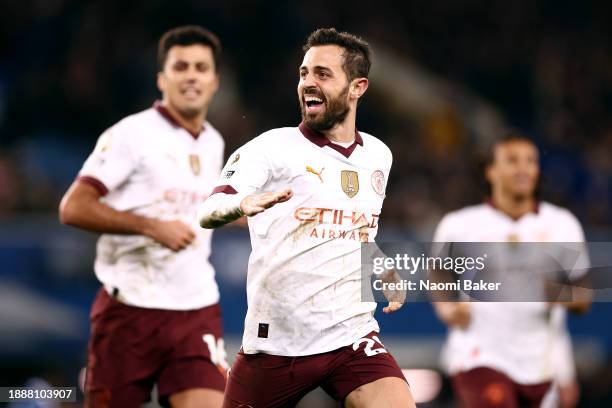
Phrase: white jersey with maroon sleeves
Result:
[516,338]
[304,279]
[147,164]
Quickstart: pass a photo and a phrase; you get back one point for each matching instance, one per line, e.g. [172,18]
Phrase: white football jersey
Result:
[516,338]
[148,165]
[304,279]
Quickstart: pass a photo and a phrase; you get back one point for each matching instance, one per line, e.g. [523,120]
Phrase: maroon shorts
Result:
[268,381]
[132,348]
[484,387]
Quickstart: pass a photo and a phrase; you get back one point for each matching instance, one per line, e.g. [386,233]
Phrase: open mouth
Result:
[313,103]
[191,93]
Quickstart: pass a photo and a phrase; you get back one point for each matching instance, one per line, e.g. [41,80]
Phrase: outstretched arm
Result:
[221,208]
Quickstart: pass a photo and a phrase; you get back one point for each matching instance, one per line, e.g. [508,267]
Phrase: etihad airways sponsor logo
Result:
[183,197]
[355,219]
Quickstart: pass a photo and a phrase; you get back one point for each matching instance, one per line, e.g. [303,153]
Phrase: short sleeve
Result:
[246,171]
[111,162]
[576,260]
[444,231]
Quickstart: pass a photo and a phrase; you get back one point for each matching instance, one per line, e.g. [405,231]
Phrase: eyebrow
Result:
[316,68]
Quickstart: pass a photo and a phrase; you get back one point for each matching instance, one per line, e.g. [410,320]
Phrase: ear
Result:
[490,173]
[216,82]
[161,81]
[358,87]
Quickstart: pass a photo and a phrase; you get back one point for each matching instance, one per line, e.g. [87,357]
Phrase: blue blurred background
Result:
[446,77]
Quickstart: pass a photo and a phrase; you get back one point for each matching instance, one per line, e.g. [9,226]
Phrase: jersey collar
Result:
[320,140]
[535,210]
[166,114]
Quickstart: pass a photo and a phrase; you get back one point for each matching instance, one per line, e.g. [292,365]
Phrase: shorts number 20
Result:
[369,347]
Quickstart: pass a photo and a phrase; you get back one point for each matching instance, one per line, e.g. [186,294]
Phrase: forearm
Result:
[81,207]
[220,209]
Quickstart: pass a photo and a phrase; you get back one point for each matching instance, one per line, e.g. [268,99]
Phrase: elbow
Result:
[204,218]
[67,213]
[580,307]
[210,219]
[207,221]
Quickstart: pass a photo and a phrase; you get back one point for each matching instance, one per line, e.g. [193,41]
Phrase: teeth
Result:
[313,99]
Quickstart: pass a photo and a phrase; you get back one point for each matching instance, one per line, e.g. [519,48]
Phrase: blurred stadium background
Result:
[446,77]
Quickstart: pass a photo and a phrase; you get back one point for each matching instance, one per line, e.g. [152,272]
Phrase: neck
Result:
[343,132]
[514,206]
[193,124]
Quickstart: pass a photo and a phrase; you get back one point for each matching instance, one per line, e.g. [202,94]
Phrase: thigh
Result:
[197,398]
[266,381]
[129,395]
[122,358]
[364,362]
[198,358]
[485,388]
[389,392]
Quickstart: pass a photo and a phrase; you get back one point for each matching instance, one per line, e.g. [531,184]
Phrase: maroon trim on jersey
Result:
[159,107]
[225,189]
[321,140]
[95,183]
[535,210]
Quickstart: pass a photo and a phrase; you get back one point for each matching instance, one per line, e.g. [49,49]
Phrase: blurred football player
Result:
[313,193]
[157,318]
[501,354]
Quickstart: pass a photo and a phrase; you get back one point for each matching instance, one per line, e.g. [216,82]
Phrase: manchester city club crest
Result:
[350,182]
[194,163]
[378,182]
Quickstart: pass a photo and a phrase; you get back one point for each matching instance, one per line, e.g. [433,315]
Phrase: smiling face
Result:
[189,79]
[323,89]
[515,169]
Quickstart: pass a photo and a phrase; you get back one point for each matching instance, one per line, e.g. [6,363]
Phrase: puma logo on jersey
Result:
[317,173]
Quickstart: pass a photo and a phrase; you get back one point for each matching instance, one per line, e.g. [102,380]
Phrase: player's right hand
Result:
[256,203]
[175,235]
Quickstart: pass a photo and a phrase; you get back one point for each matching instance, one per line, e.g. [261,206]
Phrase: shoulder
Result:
[562,219]
[147,117]
[211,132]
[272,139]
[375,144]
[550,210]
[459,220]
[135,126]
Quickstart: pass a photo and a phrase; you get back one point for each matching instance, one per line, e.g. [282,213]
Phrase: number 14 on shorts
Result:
[369,349]
[216,347]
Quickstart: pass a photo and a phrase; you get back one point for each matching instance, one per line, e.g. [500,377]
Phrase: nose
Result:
[308,81]
[191,73]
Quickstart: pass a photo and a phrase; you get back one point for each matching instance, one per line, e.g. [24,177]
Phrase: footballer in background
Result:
[509,354]
[156,319]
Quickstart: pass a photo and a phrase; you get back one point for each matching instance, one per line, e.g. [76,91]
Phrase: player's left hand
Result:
[393,307]
[255,203]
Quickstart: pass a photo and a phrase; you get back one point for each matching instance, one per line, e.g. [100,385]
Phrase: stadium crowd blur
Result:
[69,69]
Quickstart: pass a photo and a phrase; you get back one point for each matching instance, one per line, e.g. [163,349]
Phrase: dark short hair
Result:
[185,36]
[507,136]
[487,158]
[356,51]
